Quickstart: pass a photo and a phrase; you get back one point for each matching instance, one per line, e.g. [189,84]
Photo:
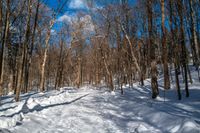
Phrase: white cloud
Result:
[86,21]
[53,32]
[88,24]
[65,18]
[77,4]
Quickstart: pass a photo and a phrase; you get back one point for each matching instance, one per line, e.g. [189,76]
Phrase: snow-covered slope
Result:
[94,110]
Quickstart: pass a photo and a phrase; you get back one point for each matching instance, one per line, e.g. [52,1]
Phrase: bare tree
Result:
[24,53]
[174,49]
[183,47]
[165,50]
[4,41]
[194,35]
[154,72]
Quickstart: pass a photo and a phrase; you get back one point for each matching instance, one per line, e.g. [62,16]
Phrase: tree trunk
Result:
[109,73]
[154,83]
[177,82]
[59,68]
[29,60]
[194,34]
[165,51]
[42,78]
[183,47]
[22,60]
[134,59]
[4,41]
[1,17]
[189,73]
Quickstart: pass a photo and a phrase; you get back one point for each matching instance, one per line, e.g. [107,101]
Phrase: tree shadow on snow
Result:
[38,107]
[4,109]
[117,108]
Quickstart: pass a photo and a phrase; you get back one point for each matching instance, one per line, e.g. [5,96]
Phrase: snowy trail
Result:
[91,110]
[91,113]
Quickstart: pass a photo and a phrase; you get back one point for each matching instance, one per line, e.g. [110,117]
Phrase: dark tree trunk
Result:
[154,82]
[175,51]
[165,50]
[4,41]
[183,47]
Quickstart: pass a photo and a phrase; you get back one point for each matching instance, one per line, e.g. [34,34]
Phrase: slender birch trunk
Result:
[165,50]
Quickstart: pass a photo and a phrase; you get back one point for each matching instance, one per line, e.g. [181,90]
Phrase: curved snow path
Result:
[97,111]
[93,112]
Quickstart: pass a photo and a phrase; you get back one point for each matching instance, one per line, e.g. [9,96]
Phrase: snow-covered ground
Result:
[95,110]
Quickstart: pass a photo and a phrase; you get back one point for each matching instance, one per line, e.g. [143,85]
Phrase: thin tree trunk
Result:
[175,51]
[31,49]
[189,73]
[1,18]
[109,72]
[183,47]
[24,54]
[194,35]
[165,51]
[194,38]
[42,79]
[177,82]
[59,68]
[134,59]
[154,82]
[5,37]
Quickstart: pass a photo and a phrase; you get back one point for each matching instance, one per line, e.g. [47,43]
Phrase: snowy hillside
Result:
[96,110]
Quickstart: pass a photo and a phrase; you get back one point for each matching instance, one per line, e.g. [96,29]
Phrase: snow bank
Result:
[90,109]
[7,122]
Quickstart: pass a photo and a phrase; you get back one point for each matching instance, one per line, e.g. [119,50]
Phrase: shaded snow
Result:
[90,109]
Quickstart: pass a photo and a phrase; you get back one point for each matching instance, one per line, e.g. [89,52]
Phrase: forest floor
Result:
[96,110]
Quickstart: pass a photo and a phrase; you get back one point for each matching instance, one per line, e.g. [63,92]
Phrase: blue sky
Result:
[69,10]
[71,6]
[74,6]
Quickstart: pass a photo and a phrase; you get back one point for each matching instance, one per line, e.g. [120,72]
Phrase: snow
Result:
[92,109]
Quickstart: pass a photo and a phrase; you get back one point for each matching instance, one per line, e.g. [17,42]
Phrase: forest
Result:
[100,66]
[117,44]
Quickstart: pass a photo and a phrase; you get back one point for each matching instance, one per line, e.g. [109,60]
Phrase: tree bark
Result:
[42,78]
[154,83]
[194,34]
[60,67]
[165,50]
[183,47]
[4,41]
[1,17]
[175,51]
[22,60]
[29,60]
